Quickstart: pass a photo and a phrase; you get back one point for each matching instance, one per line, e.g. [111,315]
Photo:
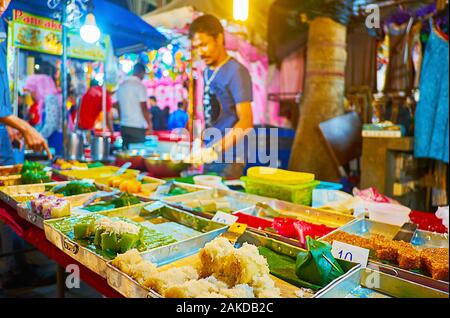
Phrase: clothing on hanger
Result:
[432,113]
[400,72]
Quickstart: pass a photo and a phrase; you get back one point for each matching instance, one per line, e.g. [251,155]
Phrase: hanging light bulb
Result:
[89,32]
[240,10]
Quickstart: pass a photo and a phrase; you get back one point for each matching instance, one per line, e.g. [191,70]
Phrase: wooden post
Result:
[323,97]
[161,3]
[191,100]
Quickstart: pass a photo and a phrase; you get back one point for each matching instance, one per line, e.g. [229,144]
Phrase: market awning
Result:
[129,33]
[178,13]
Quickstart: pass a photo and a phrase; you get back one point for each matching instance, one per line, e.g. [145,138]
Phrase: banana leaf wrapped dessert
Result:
[74,188]
[124,200]
[33,172]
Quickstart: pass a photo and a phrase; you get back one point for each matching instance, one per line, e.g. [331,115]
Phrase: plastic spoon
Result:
[122,169]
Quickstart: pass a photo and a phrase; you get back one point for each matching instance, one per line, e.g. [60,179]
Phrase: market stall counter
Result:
[36,237]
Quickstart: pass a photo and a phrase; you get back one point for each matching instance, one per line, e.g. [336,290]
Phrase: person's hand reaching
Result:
[33,138]
[202,156]
[36,142]
[16,137]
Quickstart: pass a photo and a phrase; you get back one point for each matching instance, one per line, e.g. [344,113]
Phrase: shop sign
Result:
[34,33]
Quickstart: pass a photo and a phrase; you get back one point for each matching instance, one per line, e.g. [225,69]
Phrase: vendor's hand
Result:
[149,132]
[36,142]
[204,155]
[15,136]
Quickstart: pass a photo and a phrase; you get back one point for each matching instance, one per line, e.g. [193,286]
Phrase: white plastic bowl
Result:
[210,181]
[388,213]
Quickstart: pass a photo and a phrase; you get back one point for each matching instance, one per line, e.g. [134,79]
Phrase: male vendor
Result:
[227,95]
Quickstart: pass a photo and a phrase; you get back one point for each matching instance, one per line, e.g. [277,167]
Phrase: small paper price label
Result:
[225,218]
[350,253]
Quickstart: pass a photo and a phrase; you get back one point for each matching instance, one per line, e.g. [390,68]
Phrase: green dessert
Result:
[124,200]
[33,172]
[74,188]
[177,191]
[212,206]
[109,236]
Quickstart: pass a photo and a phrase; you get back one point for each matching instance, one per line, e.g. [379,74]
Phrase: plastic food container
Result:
[210,181]
[388,213]
[330,186]
[299,194]
[280,176]
[322,197]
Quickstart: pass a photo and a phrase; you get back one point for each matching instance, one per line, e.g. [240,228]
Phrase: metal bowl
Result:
[135,157]
[164,167]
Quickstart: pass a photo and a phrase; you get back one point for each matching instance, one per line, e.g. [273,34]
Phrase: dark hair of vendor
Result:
[208,24]
[139,68]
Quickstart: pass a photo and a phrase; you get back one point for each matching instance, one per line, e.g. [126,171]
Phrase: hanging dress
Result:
[432,128]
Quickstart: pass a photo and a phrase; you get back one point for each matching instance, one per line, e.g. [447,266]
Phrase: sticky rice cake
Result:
[435,261]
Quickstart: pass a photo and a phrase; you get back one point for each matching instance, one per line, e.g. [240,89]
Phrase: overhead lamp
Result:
[89,32]
[99,77]
[127,66]
[240,10]
[167,58]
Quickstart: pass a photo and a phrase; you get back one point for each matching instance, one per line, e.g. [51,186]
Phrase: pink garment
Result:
[373,195]
[293,72]
[273,107]
[167,92]
[41,86]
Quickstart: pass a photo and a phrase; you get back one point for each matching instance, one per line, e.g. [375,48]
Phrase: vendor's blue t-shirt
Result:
[6,153]
[231,86]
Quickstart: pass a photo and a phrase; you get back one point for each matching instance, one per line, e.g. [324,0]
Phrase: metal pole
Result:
[104,101]
[16,81]
[191,100]
[64,74]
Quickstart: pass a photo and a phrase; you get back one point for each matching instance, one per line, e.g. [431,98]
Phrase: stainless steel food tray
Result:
[125,284]
[10,170]
[305,213]
[97,172]
[238,201]
[129,287]
[98,263]
[292,251]
[421,239]
[369,283]
[13,195]
[76,202]
[367,228]
[25,211]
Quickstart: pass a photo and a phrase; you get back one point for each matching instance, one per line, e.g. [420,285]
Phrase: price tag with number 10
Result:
[350,253]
